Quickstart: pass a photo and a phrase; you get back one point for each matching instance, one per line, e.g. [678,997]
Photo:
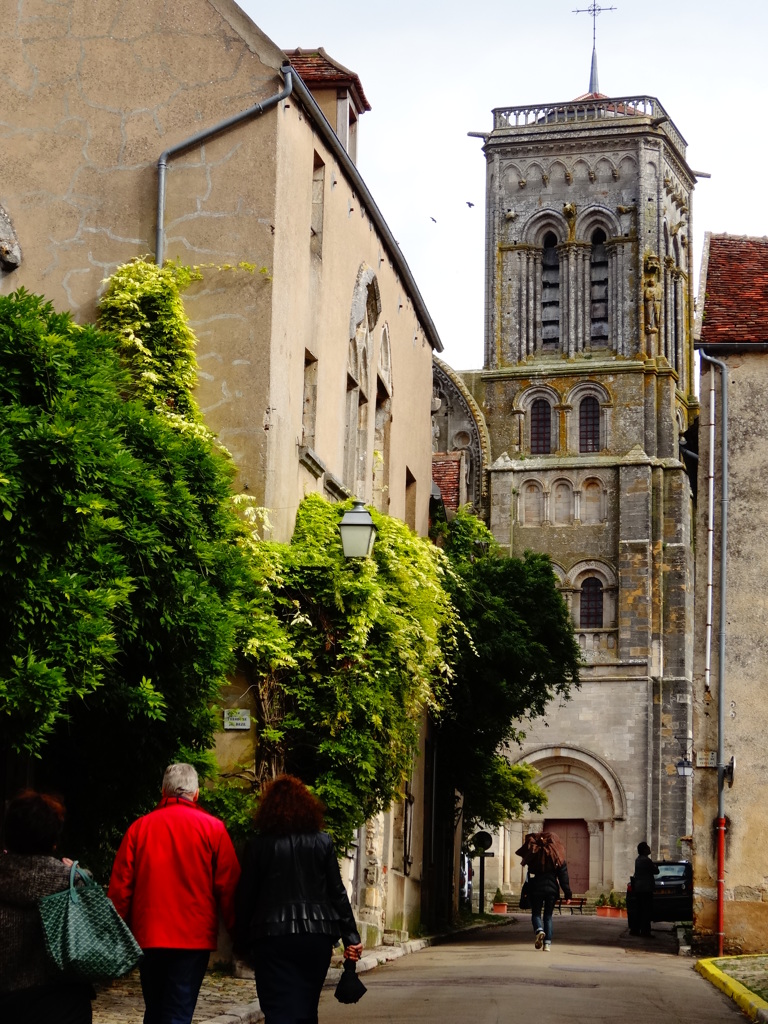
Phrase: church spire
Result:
[594,9]
[594,87]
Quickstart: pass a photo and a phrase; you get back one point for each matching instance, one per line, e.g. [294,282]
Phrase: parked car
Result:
[672,895]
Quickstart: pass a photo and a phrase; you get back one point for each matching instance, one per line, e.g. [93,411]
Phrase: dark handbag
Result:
[85,937]
[525,896]
[349,989]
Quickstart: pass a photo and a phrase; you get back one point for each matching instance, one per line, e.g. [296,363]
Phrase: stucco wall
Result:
[97,91]
[746,853]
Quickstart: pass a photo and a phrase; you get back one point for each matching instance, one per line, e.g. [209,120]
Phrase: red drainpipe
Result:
[720,827]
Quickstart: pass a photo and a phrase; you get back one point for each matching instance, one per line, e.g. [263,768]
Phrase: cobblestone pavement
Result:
[121,1003]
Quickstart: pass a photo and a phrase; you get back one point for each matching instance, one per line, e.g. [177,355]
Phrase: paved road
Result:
[595,974]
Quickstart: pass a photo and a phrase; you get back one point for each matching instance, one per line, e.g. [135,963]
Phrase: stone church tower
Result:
[586,389]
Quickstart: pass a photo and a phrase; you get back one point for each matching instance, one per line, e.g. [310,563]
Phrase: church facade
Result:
[586,388]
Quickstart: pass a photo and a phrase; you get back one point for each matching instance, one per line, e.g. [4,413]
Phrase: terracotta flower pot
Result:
[610,912]
[499,908]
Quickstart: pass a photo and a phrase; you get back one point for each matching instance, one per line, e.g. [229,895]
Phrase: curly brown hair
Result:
[33,823]
[287,807]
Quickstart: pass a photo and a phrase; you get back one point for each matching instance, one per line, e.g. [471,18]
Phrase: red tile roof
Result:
[735,287]
[446,473]
[318,69]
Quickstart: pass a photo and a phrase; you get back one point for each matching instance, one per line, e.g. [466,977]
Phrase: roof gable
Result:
[735,290]
[318,70]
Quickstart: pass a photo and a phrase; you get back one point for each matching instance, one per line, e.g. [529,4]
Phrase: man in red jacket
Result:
[176,869]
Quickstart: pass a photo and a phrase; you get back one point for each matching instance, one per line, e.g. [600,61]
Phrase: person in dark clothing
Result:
[643,884]
[32,988]
[291,906]
[543,855]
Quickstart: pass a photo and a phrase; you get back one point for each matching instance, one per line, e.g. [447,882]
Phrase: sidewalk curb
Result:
[755,1007]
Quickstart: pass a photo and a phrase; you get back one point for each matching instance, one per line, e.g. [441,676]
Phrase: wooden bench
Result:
[572,904]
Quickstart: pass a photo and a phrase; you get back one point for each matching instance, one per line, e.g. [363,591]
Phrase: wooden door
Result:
[574,835]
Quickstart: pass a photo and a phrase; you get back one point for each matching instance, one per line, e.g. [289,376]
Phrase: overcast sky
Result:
[433,72]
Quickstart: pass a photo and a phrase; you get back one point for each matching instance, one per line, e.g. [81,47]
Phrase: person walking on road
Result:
[175,871]
[543,855]
[32,989]
[643,884]
[291,905]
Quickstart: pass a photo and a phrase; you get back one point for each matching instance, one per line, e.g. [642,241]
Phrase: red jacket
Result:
[175,870]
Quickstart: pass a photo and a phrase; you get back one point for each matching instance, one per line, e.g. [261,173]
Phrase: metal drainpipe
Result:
[207,133]
[720,823]
[710,538]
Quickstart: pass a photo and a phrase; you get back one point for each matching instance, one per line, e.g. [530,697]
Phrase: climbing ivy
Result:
[122,565]
[346,656]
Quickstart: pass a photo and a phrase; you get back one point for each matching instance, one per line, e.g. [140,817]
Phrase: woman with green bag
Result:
[32,990]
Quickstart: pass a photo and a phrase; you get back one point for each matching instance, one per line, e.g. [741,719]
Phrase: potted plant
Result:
[499,903]
[611,905]
[617,903]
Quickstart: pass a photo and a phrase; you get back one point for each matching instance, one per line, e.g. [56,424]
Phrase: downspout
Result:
[721,768]
[203,136]
[710,538]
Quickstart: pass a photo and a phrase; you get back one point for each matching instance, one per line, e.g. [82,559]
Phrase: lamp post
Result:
[357,531]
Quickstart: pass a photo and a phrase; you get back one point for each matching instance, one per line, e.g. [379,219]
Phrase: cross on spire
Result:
[594,9]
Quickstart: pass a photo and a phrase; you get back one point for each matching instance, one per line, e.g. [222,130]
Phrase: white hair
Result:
[180,780]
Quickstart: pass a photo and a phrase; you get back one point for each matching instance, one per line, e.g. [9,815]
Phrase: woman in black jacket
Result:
[543,855]
[291,904]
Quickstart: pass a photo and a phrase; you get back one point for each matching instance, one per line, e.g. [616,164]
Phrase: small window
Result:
[591,604]
[318,203]
[589,425]
[541,427]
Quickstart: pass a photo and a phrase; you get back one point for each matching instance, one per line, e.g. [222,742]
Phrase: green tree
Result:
[517,655]
[122,565]
[345,658]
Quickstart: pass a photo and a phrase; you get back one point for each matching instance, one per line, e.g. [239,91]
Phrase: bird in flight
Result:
[470,204]
[433,220]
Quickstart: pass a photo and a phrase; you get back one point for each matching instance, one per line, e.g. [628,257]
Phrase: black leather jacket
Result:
[289,885]
[549,883]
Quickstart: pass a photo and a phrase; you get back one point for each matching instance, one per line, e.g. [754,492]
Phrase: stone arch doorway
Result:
[574,834]
[586,806]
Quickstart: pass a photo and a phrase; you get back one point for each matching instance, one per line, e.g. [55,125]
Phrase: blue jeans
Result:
[170,983]
[539,902]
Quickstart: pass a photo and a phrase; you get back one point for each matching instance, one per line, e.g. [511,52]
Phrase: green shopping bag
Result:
[85,937]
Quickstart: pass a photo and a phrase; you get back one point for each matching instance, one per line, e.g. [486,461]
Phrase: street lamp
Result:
[685,767]
[357,531]
[685,764]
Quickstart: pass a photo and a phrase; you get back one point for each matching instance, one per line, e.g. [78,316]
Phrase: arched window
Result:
[550,294]
[598,288]
[591,604]
[541,427]
[533,505]
[589,424]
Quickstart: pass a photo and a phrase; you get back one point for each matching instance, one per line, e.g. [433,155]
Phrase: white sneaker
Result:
[539,940]
[547,947]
